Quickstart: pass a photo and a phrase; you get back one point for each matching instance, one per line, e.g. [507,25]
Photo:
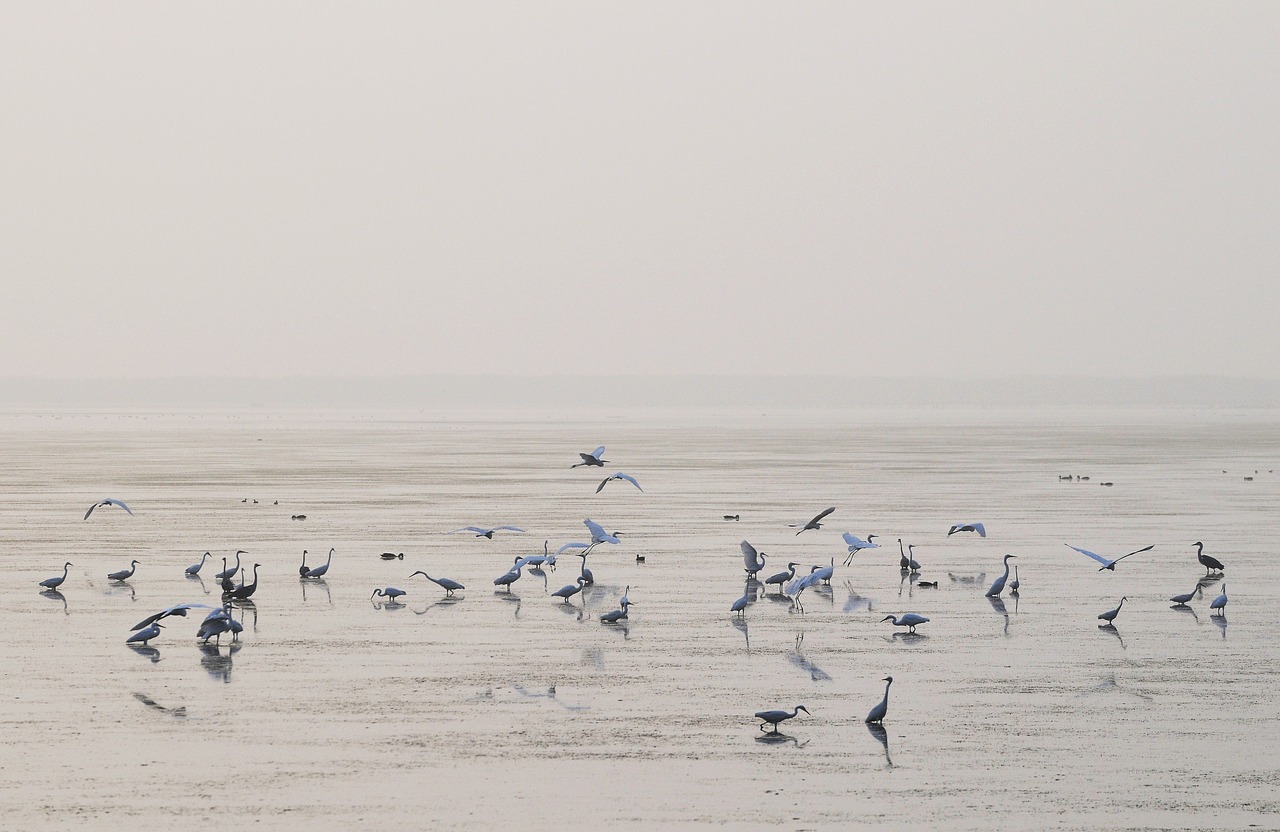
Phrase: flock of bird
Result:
[789,584]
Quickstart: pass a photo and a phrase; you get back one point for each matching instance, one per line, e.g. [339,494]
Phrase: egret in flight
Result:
[1108,564]
[968,527]
[617,476]
[1210,564]
[592,459]
[878,713]
[107,502]
[815,523]
[997,586]
[857,544]
[598,534]
[775,717]
[488,533]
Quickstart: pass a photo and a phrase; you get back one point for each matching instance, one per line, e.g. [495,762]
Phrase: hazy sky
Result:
[856,189]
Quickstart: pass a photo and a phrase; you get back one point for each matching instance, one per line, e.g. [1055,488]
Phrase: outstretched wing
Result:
[90,511]
[597,453]
[823,514]
[568,546]
[597,530]
[1099,558]
[110,501]
[749,554]
[507,529]
[1136,551]
[475,529]
[628,478]
[602,483]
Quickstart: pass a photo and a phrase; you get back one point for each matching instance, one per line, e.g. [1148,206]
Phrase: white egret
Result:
[320,571]
[145,635]
[815,523]
[586,573]
[194,569]
[775,717]
[598,534]
[1107,564]
[752,560]
[614,616]
[1181,600]
[243,592]
[997,586]
[592,459]
[1220,603]
[176,609]
[230,573]
[857,544]
[107,502]
[447,584]
[303,569]
[618,476]
[740,606]
[968,527]
[878,713]
[825,573]
[1210,564]
[1110,615]
[54,583]
[125,574]
[568,591]
[509,577]
[488,533]
[910,620]
[1016,584]
[906,562]
[391,593]
[794,588]
[782,577]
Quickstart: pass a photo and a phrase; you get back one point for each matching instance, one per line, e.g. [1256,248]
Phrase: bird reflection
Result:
[878,731]
[119,588]
[824,591]
[908,637]
[316,582]
[740,624]
[511,597]
[980,578]
[778,738]
[245,605]
[855,601]
[197,579]
[1111,628]
[55,595]
[1186,609]
[217,665]
[1221,621]
[1207,580]
[798,659]
[997,604]
[447,601]
[550,694]
[151,653]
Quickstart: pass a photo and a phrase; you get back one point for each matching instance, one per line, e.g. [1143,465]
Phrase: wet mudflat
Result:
[514,708]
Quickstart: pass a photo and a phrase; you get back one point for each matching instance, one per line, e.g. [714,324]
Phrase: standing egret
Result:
[997,586]
[968,527]
[907,563]
[509,577]
[782,577]
[1181,600]
[1110,615]
[910,620]
[146,634]
[1210,564]
[618,476]
[1016,584]
[230,573]
[107,502]
[125,574]
[586,573]
[592,459]
[320,571]
[447,584]
[1107,564]
[911,557]
[194,569]
[390,593]
[815,523]
[243,592]
[488,533]
[752,560]
[570,590]
[825,573]
[740,606]
[856,545]
[796,587]
[878,713]
[775,717]
[1220,603]
[303,569]
[54,583]
[614,616]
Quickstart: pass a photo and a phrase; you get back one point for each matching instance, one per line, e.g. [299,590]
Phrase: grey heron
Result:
[774,718]
[878,713]
[815,523]
[1210,564]
[617,476]
[997,586]
[1107,564]
[910,620]
[447,584]
[107,502]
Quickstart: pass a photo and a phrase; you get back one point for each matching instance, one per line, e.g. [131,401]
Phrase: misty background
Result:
[961,202]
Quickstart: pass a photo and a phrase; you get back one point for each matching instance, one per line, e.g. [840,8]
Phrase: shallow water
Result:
[513,708]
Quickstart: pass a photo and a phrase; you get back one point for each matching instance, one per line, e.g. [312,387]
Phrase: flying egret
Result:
[1220,603]
[1110,615]
[320,571]
[618,476]
[794,588]
[230,573]
[145,635]
[125,574]
[488,533]
[878,713]
[857,544]
[614,616]
[1210,564]
[1016,584]
[592,459]
[242,592]
[782,577]
[1107,564]
[968,527]
[815,523]
[107,502]
[598,534]
[194,569]
[752,559]
[390,593]
[997,586]
[568,591]
[910,620]
[775,717]
[54,583]
[447,584]
[1181,600]
[176,609]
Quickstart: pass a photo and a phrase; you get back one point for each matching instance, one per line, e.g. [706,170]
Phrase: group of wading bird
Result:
[219,620]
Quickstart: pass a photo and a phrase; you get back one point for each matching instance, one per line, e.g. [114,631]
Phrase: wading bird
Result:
[1110,615]
[509,577]
[586,573]
[618,476]
[1219,604]
[825,573]
[107,502]
[145,635]
[815,523]
[390,593]
[1107,564]
[1016,584]
[904,562]
[752,560]
[968,527]
[1210,564]
[1181,600]
[194,569]
[782,577]
[857,544]
[910,620]
[447,584]
[740,606]
[592,459]
[997,586]
[54,583]
[230,573]
[488,533]
[303,569]
[570,590]
[878,713]
[242,592]
[775,717]
[125,574]
[320,571]
[614,616]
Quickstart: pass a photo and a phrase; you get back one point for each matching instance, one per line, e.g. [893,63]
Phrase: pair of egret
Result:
[776,717]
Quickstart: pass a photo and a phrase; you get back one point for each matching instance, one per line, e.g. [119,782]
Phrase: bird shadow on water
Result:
[798,659]
[740,625]
[1221,621]
[879,732]
[314,582]
[199,580]
[55,595]
[908,638]
[1183,608]
[778,738]
[152,654]
[1111,629]
[446,602]
[215,664]
[551,695]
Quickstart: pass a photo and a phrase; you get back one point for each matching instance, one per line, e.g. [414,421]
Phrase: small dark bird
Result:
[392,556]
[731,517]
